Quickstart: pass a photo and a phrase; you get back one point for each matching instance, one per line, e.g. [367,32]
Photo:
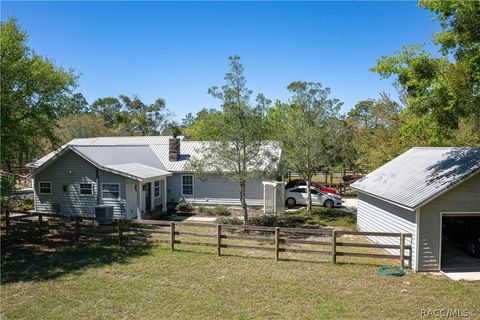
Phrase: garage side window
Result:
[110,191]
[45,187]
[86,189]
[187,185]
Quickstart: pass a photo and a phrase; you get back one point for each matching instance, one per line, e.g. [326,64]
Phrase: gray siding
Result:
[463,198]
[380,216]
[215,189]
[120,204]
[70,170]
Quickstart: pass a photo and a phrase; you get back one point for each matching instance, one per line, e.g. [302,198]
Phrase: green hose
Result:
[391,271]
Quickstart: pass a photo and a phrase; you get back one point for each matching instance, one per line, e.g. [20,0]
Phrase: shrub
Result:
[267,220]
[213,211]
[229,220]
[221,211]
[184,207]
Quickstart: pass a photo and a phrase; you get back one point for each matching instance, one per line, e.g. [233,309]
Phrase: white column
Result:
[264,201]
[139,200]
[274,191]
[152,195]
[165,195]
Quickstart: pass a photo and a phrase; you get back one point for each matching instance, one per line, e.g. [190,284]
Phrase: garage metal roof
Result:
[417,176]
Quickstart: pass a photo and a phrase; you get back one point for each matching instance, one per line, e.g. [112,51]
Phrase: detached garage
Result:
[432,193]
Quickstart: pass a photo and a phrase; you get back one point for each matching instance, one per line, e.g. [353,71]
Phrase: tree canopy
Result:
[307,127]
[241,133]
[442,89]
[34,92]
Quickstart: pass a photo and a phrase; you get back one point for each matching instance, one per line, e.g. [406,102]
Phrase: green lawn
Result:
[61,280]
[321,216]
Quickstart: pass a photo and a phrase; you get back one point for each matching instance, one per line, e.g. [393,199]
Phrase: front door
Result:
[131,200]
[148,196]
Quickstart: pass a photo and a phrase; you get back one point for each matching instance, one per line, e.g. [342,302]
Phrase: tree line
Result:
[439,105]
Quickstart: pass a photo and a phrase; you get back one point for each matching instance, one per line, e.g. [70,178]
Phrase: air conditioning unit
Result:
[104,214]
[56,207]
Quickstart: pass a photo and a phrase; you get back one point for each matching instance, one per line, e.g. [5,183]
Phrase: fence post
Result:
[77,229]
[402,250]
[277,242]
[219,239]
[7,222]
[334,246]
[172,235]
[120,231]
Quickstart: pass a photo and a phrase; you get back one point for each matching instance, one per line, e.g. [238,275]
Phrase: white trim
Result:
[80,189]
[39,189]
[112,183]
[139,200]
[193,184]
[34,195]
[449,214]
[417,238]
[165,200]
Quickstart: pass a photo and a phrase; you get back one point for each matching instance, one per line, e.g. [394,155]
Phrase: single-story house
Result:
[414,193]
[133,175]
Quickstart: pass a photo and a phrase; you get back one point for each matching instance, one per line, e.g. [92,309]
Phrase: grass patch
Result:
[102,281]
[321,216]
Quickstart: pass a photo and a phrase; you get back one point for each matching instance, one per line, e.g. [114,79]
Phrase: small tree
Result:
[239,152]
[308,130]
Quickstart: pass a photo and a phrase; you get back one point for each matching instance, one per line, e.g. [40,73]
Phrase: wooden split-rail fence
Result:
[272,239]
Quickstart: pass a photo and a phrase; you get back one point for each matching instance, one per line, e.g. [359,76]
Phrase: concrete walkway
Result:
[463,275]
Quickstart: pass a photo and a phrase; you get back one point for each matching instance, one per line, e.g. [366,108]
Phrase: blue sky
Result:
[177,50]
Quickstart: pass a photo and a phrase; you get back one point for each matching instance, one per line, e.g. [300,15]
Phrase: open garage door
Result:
[460,247]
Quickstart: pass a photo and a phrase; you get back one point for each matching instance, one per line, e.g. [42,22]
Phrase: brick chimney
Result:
[174,148]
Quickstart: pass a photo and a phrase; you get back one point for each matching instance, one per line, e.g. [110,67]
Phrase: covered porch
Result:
[146,189]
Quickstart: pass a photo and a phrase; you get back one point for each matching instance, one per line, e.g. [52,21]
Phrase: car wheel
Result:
[473,249]
[328,203]
[291,202]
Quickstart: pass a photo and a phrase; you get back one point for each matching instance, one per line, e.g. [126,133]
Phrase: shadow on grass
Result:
[53,256]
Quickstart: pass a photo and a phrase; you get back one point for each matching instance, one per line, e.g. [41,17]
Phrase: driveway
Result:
[351,204]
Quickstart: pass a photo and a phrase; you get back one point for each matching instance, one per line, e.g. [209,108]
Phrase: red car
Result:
[300,182]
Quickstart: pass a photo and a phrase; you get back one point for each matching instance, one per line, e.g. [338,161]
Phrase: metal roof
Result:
[137,150]
[111,155]
[419,175]
[107,141]
[138,170]
[131,140]
[196,150]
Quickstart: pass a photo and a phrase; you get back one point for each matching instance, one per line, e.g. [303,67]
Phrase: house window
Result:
[110,191]
[187,185]
[44,187]
[156,188]
[86,189]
